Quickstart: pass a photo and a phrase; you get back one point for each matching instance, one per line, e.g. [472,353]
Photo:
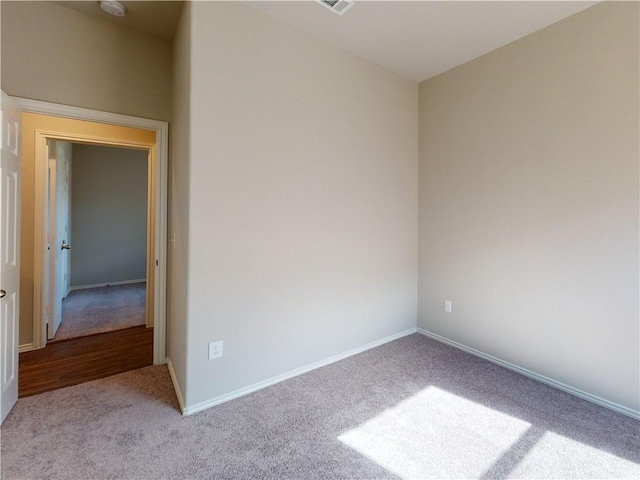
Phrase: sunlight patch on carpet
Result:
[556,456]
[436,434]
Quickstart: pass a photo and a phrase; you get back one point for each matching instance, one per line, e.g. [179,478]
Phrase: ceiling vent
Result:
[337,6]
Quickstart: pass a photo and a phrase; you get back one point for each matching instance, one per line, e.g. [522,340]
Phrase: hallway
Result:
[102,309]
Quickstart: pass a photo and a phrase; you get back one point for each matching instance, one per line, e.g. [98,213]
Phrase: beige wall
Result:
[108,214]
[302,203]
[1,43]
[529,203]
[178,215]
[55,54]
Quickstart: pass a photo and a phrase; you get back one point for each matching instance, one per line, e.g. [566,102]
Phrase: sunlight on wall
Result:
[436,434]
[556,456]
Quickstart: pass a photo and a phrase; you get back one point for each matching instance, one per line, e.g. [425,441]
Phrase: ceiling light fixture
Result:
[337,6]
[113,7]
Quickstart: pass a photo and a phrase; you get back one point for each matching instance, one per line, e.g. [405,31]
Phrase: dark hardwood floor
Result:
[78,360]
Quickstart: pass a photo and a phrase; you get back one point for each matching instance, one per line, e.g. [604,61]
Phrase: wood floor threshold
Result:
[77,360]
[53,340]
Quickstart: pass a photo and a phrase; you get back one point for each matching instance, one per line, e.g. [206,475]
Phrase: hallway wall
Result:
[109,215]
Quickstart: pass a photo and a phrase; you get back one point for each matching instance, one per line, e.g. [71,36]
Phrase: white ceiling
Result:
[420,39]
[416,39]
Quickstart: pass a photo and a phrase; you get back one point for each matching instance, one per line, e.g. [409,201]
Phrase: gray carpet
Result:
[102,309]
[413,408]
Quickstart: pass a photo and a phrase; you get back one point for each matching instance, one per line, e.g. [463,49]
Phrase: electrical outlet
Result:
[215,349]
[447,306]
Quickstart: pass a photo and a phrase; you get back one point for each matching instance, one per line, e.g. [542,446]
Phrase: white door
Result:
[66,224]
[58,226]
[9,251]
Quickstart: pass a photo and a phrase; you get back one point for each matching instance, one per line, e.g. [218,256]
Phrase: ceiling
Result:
[156,18]
[416,39]
[421,39]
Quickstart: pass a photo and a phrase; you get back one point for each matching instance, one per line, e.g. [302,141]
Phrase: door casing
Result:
[105,129]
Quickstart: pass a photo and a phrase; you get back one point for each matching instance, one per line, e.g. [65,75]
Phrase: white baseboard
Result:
[536,376]
[96,285]
[198,407]
[26,347]
[176,387]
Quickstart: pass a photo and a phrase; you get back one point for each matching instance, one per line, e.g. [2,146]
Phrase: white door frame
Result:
[162,136]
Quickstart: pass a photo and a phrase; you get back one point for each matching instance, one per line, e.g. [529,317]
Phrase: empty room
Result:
[383,239]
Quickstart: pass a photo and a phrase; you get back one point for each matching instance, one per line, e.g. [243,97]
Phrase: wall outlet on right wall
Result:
[447,306]
[215,349]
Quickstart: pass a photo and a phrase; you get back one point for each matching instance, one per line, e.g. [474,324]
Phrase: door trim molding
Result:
[161,130]
[26,347]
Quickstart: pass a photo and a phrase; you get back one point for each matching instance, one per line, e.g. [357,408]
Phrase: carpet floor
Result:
[102,309]
[413,408]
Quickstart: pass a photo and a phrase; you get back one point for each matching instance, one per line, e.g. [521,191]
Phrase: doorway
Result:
[46,122]
[97,213]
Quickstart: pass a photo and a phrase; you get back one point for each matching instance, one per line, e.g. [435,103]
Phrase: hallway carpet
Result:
[412,408]
[102,309]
